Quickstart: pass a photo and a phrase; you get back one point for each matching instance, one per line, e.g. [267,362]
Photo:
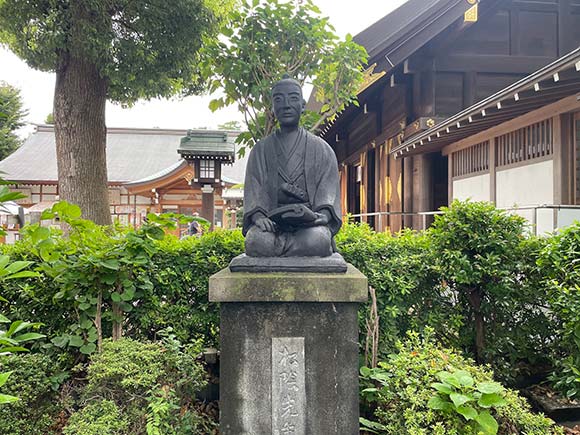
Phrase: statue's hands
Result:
[323,218]
[265,224]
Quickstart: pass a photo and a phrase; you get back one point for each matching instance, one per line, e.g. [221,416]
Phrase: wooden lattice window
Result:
[530,142]
[206,169]
[471,160]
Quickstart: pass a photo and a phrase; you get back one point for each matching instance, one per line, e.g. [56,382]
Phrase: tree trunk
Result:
[117,322]
[99,321]
[475,298]
[79,113]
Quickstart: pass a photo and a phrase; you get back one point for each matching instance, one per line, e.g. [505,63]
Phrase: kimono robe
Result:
[316,172]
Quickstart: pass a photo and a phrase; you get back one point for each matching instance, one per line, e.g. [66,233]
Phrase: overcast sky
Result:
[347,16]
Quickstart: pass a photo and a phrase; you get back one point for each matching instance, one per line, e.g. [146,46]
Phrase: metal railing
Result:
[543,219]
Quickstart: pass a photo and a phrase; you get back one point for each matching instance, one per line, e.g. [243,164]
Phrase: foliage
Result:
[170,285]
[399,269]
[478,257]
[49,119]
[11,118]
[230,125]
[101,271]
[399,395]
[457,392]
[171,290]
[144,49]
[101,417]
[14,335]
[33,381]
[180,274]
[268,39]
[415,287]
[150,384]
[560,261]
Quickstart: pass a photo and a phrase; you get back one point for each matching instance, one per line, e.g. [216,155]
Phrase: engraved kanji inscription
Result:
[288,389]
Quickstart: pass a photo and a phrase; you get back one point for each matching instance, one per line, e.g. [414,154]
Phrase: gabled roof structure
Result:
[395,37]
[207,144]
[554,82]
[399,34]
[132,154]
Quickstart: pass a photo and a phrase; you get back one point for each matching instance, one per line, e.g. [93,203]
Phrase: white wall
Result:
[525,185]
[528,185]
[476,188]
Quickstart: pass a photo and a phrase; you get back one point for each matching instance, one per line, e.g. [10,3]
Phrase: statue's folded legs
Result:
[301,242]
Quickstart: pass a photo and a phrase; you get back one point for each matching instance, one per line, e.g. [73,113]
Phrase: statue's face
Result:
[288,104]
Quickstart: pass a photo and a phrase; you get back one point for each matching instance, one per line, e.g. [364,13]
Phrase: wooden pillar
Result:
[207,203]
[492,171]
[449,178]
[422,189]
[343,173]
[363,185]
[563,164]
[233,218]
[408,176]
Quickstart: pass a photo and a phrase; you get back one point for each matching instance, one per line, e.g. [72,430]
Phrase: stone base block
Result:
[289,361]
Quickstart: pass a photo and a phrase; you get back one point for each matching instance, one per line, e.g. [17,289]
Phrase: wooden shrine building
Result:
[519,148]
[429,60]
[149,170]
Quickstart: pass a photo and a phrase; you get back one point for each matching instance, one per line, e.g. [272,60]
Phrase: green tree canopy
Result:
[230,125]
[144,49]
[268,39]
[11,118]
[120,50]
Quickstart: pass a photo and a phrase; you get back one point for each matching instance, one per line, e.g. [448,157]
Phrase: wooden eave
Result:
[351,111]
[183,171]
[420,29]
[399,46]
[552,83]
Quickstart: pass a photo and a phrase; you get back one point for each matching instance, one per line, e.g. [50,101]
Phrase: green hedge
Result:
[421,279]
[526,289]
[34,381]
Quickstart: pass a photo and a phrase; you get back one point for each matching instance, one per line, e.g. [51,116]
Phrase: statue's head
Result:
[287,101]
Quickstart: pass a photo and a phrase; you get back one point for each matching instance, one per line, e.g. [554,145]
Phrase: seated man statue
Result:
[291,191]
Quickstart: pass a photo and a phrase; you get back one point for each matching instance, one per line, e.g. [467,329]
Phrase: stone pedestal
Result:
[289,352]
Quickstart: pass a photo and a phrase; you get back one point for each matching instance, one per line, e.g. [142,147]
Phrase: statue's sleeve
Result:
[255,192]
[327,192]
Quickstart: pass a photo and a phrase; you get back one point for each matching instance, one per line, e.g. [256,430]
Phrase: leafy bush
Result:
[33,381]
[102,417]
[478,247]
[102,282]
[151,385]
[400,269]
[560,261]
[423,279]
[488,265]
[180,272]
[403,396]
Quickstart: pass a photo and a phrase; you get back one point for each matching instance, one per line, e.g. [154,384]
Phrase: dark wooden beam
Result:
[492,63]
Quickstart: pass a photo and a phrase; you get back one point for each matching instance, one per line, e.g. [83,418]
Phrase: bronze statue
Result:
[291,190]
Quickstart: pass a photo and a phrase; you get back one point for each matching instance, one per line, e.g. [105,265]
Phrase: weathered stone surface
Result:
[227,286]
[330,338]
[288,386]
[331,264]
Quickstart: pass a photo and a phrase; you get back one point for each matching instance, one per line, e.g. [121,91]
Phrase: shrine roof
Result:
[200,144]
[554,82]
[132,154]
